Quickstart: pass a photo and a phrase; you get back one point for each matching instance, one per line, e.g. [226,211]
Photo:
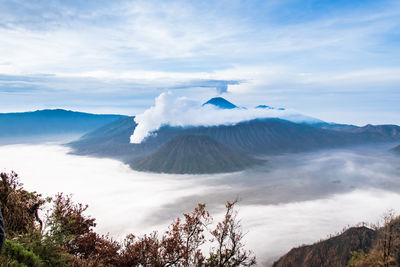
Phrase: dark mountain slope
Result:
[262,136]
[382,132]
[335,251]
[113,140]
[358,246]
[250,138]
[335,126]
[396,150]
[193,154]
[272,136]
[267,136]
[50,122]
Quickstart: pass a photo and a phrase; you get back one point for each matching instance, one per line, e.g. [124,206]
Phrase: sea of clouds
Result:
[171,110]
[289,201]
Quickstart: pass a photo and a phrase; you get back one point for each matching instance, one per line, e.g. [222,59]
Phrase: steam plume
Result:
[181,111]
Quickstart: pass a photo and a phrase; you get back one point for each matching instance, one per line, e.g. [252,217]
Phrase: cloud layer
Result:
[360,186]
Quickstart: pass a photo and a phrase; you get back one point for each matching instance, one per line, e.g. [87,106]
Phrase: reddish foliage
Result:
[179,246]
[143,251]
[19,207]
[69,232]
[230,249]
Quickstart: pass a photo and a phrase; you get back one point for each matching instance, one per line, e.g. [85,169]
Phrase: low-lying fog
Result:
[291,200]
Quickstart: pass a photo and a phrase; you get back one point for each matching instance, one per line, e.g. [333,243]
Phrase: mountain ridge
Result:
[335,251]
[50,122]
[252,138]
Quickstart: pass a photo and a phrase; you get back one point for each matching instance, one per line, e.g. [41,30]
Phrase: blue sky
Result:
[335,60]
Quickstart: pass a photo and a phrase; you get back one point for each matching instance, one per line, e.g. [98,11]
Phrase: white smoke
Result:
[181,111]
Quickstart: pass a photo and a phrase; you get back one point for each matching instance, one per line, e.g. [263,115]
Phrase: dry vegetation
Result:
[359,246]
[386,249]
[66,236]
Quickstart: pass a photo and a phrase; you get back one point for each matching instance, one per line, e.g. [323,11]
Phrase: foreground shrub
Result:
[19,207]
[386,249]
[67,238]
[15,254]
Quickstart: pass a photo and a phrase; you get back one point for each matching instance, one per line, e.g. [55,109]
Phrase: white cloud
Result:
[181,111]
[122,36]
[363,76]
[145,47]
[123,200]
[275,229]
[120,205]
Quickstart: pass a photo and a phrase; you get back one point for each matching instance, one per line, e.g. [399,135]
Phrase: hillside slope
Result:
[396,150]
[251,138]
[356,247]
[335,251]
[255,137]
[193,154]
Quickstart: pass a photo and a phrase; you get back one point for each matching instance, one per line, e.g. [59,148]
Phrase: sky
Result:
[335,60]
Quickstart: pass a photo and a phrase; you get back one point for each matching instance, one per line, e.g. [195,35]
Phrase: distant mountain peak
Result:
[264,107]
[268,107]
[221,103]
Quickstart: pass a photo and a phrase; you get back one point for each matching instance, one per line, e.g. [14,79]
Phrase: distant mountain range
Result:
[197,149]
[268,107]
[249,139]
[17,127]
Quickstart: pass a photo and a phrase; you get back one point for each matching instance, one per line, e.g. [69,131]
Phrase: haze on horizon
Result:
[334,60]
